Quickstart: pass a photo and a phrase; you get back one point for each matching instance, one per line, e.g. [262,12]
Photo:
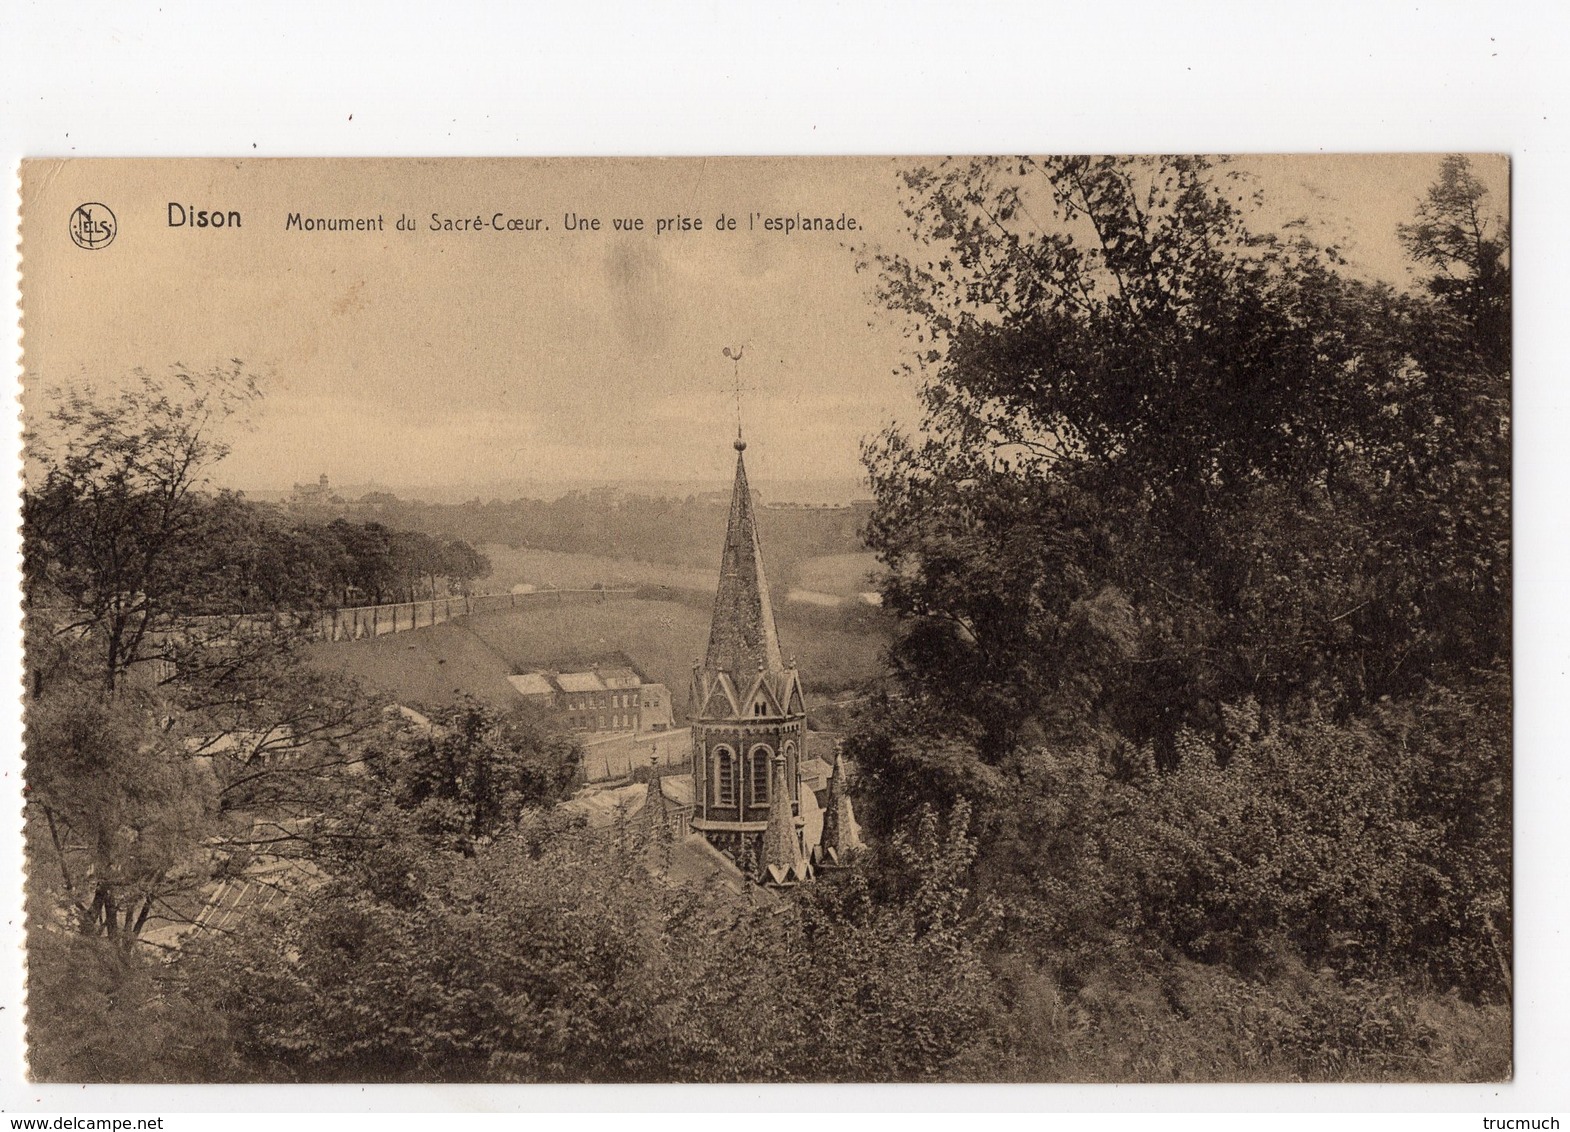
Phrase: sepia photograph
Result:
[970,619]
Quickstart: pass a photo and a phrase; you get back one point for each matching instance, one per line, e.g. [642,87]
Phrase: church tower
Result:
[748,716]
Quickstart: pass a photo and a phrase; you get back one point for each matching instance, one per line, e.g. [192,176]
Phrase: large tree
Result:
[173,730]
[114,514]
[1458,236]
[1169,461]
[1175,472]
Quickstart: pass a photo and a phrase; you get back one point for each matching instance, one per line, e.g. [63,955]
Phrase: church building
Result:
[749,728]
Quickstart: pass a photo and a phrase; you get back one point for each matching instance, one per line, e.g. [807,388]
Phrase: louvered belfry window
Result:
[761,758]
[725,773]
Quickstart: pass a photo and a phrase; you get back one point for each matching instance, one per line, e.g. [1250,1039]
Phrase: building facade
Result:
[599,699]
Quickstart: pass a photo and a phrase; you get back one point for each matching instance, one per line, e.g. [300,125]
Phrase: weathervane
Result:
[735,358]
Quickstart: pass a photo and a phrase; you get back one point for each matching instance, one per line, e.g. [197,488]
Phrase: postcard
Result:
[931,619]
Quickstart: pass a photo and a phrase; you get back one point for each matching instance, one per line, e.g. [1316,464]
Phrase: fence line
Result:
[360,622]
[364,621]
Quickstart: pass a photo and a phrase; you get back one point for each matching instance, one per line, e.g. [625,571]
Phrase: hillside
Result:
[475,655]
[423,667]
[633,528]
[824,579]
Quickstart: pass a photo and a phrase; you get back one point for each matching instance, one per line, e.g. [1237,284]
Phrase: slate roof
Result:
[601,808]
[678,788]
[743,638]
[815,773]
[693,861]
[690,859]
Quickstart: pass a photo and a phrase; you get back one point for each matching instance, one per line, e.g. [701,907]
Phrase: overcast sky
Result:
[439,359]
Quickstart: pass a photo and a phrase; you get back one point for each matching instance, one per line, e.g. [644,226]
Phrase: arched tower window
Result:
[762,760]
[724,777]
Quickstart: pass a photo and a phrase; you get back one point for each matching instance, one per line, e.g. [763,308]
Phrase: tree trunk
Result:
[111,914]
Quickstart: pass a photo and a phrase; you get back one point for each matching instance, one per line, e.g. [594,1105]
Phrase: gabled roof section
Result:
[721,701]
[743,638]
[580,682]
[762,687]
[795,703]
[620,677]
[532,684]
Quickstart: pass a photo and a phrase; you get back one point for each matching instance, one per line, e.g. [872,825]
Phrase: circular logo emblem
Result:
[92,226]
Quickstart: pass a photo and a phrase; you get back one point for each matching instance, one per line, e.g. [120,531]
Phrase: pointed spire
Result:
[656,811]
[783,862]
[839,820]
[742,637]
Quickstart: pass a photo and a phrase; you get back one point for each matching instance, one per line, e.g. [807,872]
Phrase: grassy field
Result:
[840,575]
[427,667]
[844,575]
[474,656]
[541,568]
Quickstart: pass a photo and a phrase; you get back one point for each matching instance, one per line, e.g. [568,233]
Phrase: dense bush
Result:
[556,955]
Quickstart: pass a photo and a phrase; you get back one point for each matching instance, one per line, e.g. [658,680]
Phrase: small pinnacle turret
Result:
[656,811]
[783,861]
[839,820]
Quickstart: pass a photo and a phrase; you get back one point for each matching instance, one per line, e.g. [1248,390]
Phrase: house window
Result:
[761,757]
[758,708]
[725,778]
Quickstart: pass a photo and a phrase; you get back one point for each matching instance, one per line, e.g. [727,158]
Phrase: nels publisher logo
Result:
[92,226]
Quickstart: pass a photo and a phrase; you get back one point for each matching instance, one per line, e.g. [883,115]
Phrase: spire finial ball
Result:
[739,444]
